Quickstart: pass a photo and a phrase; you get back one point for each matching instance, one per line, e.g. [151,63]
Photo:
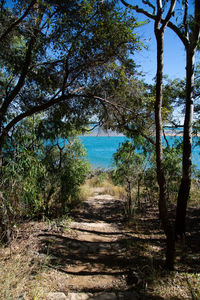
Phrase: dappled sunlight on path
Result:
[102,257]
[93,252]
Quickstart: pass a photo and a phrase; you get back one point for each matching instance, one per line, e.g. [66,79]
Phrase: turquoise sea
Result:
[101,148]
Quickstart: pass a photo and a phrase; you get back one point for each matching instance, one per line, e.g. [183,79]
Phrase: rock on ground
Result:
[56,296]
[97,296]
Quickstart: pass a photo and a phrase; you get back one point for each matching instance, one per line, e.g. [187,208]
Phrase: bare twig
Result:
[147,2]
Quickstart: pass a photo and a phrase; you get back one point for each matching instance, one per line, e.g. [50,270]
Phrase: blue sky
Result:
[174,53]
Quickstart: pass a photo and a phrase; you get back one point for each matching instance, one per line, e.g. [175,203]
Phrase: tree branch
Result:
[24,72]
[30,112]
[139,10]
[117,107]
[16,23]
[185,24]
[53,62]
[196,30]
[21,80]
[169,14]
[147,2]
[184,40]
[165,138]
[37,109]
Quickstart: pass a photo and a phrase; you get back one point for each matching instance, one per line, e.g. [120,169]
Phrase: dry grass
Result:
[174,285]
[86,190]
[24,272]
[178,286]
[113,190]
[158,283]
[195,193]
[21,276]
[105,185]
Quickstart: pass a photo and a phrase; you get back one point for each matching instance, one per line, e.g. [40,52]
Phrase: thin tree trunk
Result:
[184,190]
[129,198]
[138,192]
[163,210]
[6,220]
[191,47]
[51,191]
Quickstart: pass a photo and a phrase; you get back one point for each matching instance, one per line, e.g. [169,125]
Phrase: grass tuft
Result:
[24,271]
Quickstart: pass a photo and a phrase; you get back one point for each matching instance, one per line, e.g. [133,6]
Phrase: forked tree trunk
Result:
[163,210]
[184,189]
[159,29]
[191,43]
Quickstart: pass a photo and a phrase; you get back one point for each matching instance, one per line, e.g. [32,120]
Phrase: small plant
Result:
[130,168]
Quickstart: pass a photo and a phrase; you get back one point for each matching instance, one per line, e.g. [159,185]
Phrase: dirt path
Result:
[97,257]
[93,252]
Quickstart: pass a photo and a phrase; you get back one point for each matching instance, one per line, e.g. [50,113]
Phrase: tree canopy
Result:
[51,51]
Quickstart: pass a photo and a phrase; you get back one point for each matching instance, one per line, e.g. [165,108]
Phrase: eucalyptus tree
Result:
[187,28]
[197,99]
[50,51]
[189,33]
[161,19]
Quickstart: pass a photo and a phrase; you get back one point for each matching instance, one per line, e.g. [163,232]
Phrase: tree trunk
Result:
[184,190]
[51,191]
[138,192]
[6,220]
[130,204]
[163,210]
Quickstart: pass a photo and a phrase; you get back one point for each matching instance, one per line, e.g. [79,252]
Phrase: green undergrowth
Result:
[25,272]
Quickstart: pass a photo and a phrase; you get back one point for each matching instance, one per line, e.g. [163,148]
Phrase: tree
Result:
[39,174]
[131,162]
[160,25]
[189,33]
[67,168]
[190,38]
[125,101]
[50,51]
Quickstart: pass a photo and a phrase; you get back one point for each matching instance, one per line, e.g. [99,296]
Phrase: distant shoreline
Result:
[122,135]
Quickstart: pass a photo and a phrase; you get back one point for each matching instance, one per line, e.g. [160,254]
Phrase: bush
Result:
[67,168]
[38,176]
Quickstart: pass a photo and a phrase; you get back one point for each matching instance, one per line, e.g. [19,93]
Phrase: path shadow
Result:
[64,251]
[111,212]
[75,256]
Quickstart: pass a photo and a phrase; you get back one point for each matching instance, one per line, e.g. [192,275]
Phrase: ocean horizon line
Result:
[178,133]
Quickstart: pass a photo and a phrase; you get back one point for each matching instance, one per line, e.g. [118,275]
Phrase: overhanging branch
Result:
[17,22]
[139,10]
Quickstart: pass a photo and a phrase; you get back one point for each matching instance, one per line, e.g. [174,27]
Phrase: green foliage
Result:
[22,171]
[131,163]
[99,177]
[172,159]
[21,183]
[172,168]
[136,165]
[39,175]
[67,168]
[57,51]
